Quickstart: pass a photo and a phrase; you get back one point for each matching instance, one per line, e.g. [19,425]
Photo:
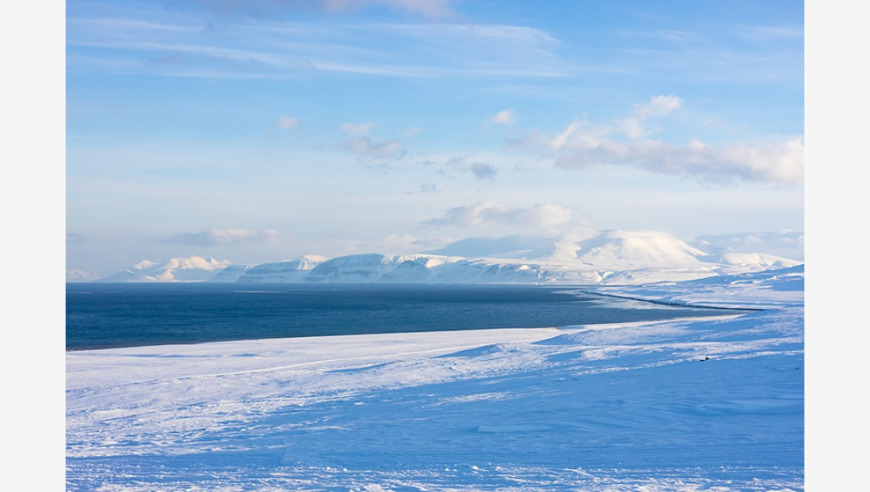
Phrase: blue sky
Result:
[265,130]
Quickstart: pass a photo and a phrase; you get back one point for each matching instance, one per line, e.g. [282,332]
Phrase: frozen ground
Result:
[712,404]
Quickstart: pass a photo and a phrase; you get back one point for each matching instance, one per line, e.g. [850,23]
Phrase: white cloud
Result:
[504,117]
[288,122]
[212,237]
[634,125]
[657,106]
[496,214]
[780,161]
[583,144]
[290,48]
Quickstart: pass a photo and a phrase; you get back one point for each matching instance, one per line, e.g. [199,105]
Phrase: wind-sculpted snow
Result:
[710,404]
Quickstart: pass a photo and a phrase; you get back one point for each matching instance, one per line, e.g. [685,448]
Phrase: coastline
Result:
[676,404]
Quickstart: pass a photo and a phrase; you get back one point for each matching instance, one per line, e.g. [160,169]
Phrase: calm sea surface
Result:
[102,315]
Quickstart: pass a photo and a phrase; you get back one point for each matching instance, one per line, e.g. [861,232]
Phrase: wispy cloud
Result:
[357,128]
[431,9]
[773,33]
[264,46]
[213,237]
[288,123]
[365,147]
[489,213]
[412,131]
[503,117]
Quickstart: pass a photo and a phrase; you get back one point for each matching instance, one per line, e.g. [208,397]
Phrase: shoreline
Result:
[171,319]
[701,401]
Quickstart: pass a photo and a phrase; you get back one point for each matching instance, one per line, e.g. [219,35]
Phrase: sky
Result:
[265,130]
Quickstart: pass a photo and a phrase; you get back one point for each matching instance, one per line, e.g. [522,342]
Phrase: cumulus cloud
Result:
[287,122]
[213,237]
[780,161]
[635,126]
[504,117]
[489,213]
[583,144]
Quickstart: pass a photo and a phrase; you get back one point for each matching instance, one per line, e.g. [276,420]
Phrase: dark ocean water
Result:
[103,315]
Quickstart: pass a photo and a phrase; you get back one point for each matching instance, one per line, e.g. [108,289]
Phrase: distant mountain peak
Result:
[190,269]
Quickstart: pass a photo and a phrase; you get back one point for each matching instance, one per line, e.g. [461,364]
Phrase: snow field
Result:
[702,404]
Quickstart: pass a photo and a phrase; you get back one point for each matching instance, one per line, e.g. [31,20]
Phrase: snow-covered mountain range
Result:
[605,257]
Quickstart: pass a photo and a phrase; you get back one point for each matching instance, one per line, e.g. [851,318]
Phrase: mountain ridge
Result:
[604,257]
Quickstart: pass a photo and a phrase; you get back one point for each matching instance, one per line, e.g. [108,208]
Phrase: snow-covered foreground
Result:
[710,404]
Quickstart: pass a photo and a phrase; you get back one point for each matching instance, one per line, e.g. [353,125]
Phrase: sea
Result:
[106,315]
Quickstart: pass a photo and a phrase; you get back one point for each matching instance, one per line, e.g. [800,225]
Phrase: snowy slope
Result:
[284,271]
[702,404]
[232,273]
